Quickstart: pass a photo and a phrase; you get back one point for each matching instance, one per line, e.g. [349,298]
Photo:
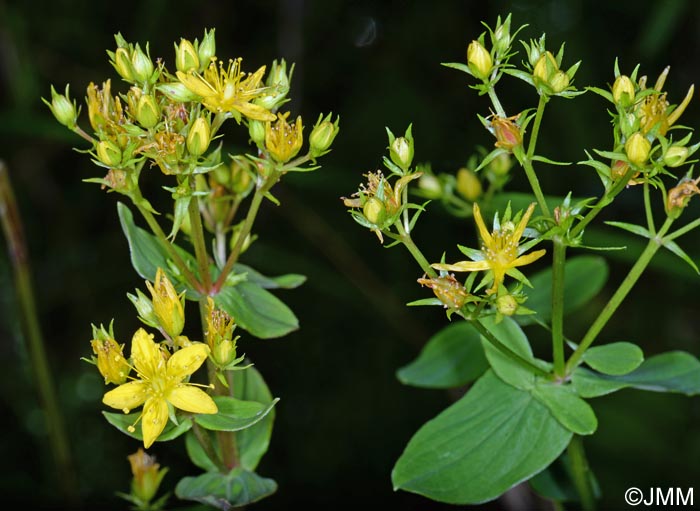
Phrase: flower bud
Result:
[501,37]
[236,233]
[448,290]
[177,91]
[278,82]
[256,130]
[508,133]
[199,136]
[559,81]
[284,140]
[240,178]
[545,67]
[147,476]
[322,135]
[637,149]
[430,186]
[142,65]
[506,305]
[401,152]
[374,211]
[121,62]
[207,49]
[144,308]
[110,359]
[675,156]
[623,91]
[147,111]
[186,57]
[109,153]
[468,184]
[501,164]
[167,305]
[62,108]
[479,60]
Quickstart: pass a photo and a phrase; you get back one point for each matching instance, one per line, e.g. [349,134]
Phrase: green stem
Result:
[527,163]
[407,241]
[163,239]
[647,209]
[200,248]
[242,235]
[496,103]
[558,306]
[486,333]
[55,425]
[620,294]
[604,201]
[580,473]
[686,228]
[203,438]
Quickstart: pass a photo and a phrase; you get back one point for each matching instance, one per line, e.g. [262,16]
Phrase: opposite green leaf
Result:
[257,310]
[675,371]
[288,281]
[196,452]
[585,276]
[451,358]
[490,440]
[123,421]
[224,491]
[234,414]
[570,410]
[510,334]
[253,442]
[617,358]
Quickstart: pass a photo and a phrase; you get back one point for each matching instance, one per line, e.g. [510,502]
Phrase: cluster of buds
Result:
[547,75]
[484,64]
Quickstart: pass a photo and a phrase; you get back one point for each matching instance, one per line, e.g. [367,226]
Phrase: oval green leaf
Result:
[570,410]
[254,441]
[510,334]
[122,422]
[257,310]
[451,358]
[490,440]
[239,487]
[234,414]
[585,276]
[616,359]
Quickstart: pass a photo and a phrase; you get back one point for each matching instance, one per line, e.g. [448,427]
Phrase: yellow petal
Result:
[191,399]
[196,84]
[145,354]
[128,396]
[256,112]
[681,108]
[464,266]
[528,258]
[483,231]
[523,223]
[155,417]
[187,360]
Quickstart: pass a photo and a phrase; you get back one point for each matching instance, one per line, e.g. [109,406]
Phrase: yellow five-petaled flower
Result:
[500,252]
[161,381]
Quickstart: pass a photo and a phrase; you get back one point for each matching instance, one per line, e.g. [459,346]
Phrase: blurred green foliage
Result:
[344,417]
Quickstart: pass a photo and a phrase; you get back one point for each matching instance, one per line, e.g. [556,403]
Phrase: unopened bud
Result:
[506,305]
[559,81]
[430,186]
[637,149]
[167,305]
[144,308]
[207,49]
[142,65]
[322,135]
[623,91]
[501,164]
[278,82]
[109,153]
[468,184]
[199,136]
[110,360]
[177,91]
[241,179]
[256,130]
[545,67]
[122,64]
[186,57]
[479,60]
[676,156]
[147,111]
[147,476]
[62,108]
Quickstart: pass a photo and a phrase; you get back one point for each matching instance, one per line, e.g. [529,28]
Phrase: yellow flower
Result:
[167,305]
[500,253]
[283,139]
[110,360]
[229,89]
[161,382]
[655,110]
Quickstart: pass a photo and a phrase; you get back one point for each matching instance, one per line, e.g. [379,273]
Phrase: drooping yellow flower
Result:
[500,252]
[655,110]
[229,89]
[160,382]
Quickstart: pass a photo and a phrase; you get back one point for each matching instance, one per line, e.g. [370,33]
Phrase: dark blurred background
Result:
[343,418]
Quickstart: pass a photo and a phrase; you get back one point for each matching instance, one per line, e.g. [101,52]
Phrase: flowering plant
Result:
[524,416]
